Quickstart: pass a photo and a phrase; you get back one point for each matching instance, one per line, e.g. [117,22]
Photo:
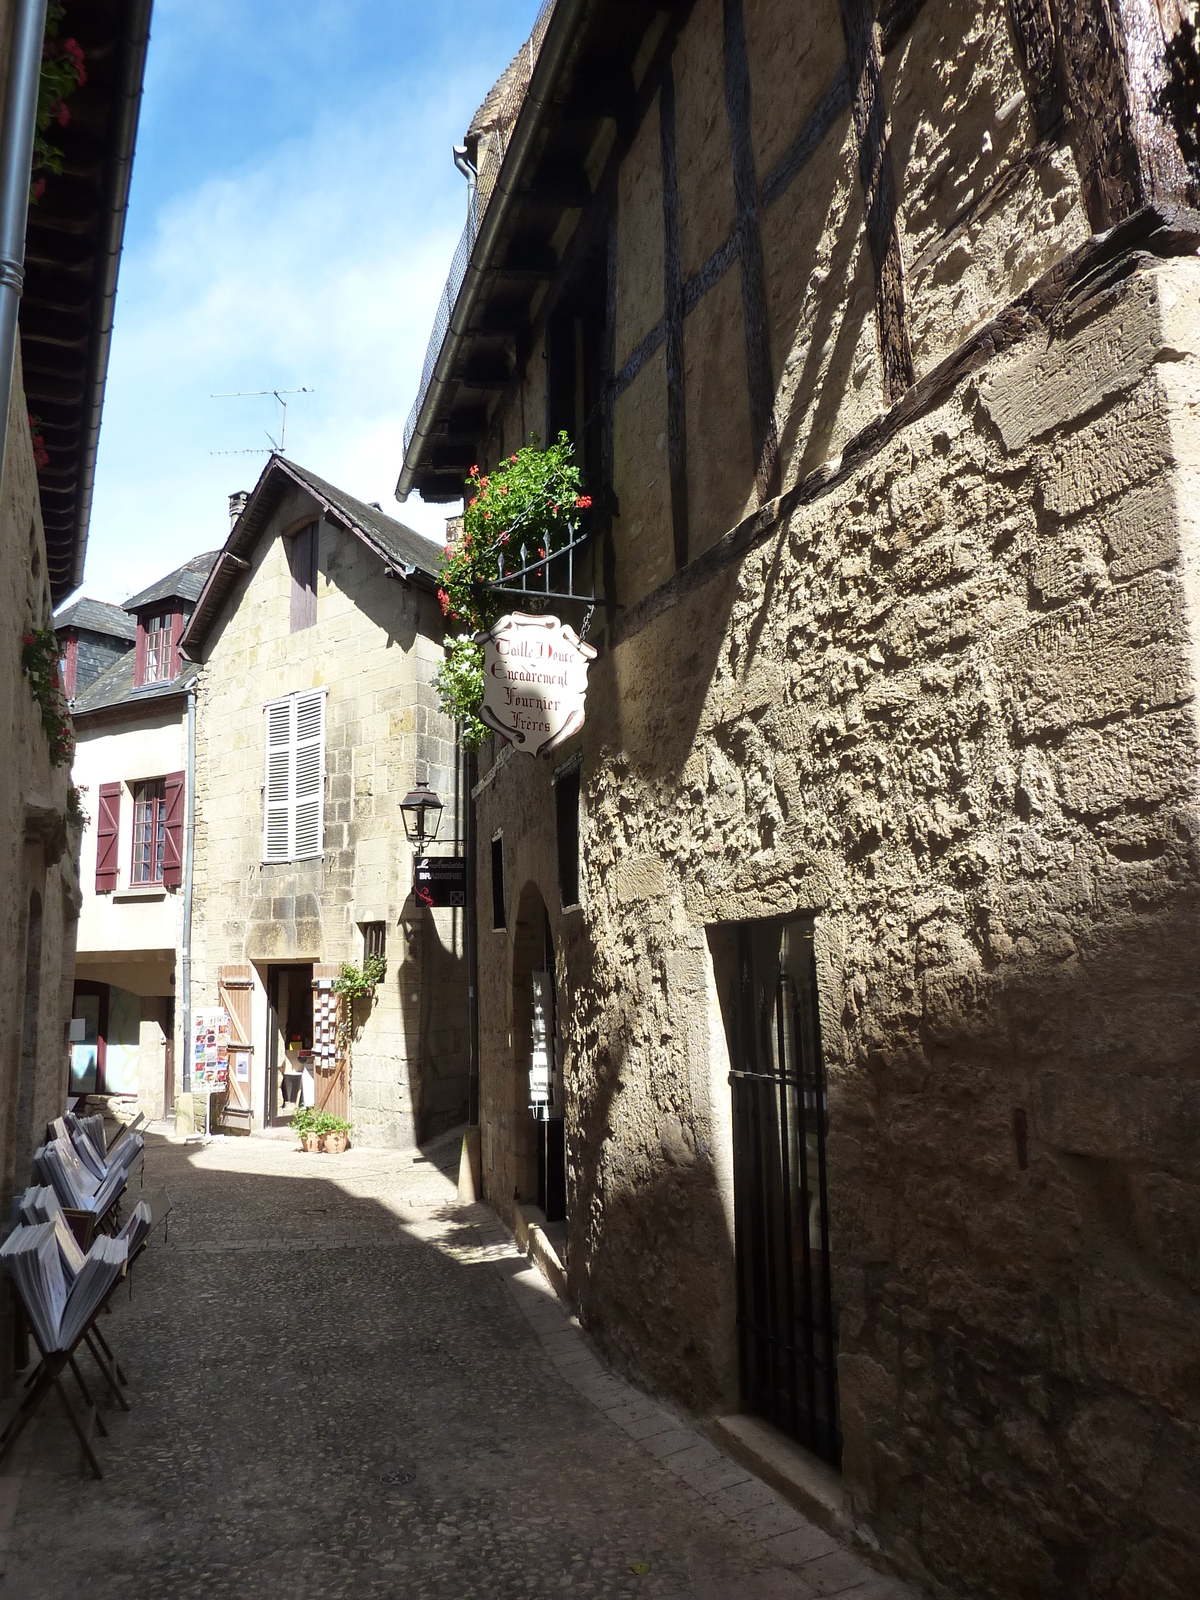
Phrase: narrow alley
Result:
[344,1383]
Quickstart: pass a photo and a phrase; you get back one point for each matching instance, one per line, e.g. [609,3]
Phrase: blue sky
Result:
[293,214]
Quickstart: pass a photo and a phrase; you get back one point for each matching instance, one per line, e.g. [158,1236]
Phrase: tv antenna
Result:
[259,394]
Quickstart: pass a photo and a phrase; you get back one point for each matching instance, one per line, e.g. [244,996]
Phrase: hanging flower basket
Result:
[533,500]
[39,662]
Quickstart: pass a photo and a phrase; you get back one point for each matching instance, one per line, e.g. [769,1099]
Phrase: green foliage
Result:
[39,663]
[354,982]
[524,510]
[307,1119]
[62,73]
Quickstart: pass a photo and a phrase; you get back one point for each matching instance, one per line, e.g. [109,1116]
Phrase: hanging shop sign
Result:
[440,880]
[534,681]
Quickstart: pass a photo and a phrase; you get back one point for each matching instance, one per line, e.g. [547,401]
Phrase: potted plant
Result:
[305,1126]
[334,1134]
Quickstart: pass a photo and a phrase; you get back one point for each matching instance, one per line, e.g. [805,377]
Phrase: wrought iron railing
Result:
[493,146]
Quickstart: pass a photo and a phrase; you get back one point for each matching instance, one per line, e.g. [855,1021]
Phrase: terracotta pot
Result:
[334,1143]
[311,1143]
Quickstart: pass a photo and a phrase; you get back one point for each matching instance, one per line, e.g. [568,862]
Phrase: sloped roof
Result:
[96,616]
[185,583]
[114,688]
[405,554]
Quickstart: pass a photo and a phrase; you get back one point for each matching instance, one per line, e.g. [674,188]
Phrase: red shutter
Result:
[70,666]
[173,652]
[173,843]
[139,655]
[108,823]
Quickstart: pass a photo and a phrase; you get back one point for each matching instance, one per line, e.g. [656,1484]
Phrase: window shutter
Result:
[309,770]
[139,655]
[302,560]
[108,823]
[173,646]
[277,788]
[173,841]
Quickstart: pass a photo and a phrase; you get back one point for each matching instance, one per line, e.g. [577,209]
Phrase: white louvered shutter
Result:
[277,798]
[309,776]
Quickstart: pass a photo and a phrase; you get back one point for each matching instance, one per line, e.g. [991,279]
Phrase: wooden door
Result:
[235,987]
[330,1062]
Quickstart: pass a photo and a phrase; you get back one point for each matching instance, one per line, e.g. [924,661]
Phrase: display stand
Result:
[207,1090]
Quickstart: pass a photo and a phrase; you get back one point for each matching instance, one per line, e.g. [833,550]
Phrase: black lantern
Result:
[422,813]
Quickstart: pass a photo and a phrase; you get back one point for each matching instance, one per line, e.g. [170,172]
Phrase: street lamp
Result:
[422,813]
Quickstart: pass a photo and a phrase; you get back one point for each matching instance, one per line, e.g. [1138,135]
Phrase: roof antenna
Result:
[279,448]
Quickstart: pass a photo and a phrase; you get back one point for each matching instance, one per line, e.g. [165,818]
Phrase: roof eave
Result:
[552,59]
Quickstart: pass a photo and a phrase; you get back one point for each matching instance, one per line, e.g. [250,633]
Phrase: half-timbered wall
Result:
[899,629]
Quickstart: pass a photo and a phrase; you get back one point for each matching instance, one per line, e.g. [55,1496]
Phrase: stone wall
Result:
[941,694]
[39,882]
[376,644]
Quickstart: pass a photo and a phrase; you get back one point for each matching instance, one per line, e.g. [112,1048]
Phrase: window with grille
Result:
[294,788]
[149,831]
[158,649]
[374,939]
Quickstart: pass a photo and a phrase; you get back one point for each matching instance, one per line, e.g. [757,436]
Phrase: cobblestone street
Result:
[342,1383]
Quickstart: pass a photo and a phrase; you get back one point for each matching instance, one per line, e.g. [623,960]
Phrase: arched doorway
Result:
[539,1144]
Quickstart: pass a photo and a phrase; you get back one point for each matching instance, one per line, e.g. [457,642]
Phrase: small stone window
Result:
[374,939]
[566,807]
[498,883]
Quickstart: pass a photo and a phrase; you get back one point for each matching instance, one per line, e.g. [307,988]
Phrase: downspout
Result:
[189,854]
[471,930]
[16,170]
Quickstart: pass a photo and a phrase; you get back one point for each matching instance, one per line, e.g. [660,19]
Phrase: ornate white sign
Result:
[534,681]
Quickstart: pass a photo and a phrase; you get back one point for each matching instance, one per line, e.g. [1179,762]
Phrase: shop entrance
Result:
[787,1320]
[289,1040]
[538,1055]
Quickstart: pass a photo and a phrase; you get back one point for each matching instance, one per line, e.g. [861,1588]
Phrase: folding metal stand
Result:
[48,1375]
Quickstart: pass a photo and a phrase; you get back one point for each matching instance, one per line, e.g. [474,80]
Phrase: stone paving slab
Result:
[343,1384]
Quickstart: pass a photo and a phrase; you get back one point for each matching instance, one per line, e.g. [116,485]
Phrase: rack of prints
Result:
[325,1024]
[210,1048]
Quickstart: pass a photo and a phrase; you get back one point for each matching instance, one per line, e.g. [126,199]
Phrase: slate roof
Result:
[185,583]
[114,688]
[404,553]
[97,616]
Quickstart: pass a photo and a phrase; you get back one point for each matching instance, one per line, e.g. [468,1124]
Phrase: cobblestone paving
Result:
[342,1383]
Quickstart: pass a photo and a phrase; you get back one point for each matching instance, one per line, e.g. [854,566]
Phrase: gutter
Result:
[560,36]
[16,170]
[189,846]
[122,139]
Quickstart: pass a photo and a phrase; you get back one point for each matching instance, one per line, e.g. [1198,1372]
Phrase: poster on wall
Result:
[534,681]
[210,1048]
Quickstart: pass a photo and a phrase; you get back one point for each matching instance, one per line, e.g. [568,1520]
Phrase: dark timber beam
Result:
[673,318]
[763,430]
[865,63]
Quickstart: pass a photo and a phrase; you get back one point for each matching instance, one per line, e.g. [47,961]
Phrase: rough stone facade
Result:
[376,645]
[936,685]
[39,879]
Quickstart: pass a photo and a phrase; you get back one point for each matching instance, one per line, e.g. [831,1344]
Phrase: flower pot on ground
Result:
[333,1144]
[333,1131]
[311,1143]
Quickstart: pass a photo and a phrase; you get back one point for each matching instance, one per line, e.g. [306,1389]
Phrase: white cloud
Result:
[315,263]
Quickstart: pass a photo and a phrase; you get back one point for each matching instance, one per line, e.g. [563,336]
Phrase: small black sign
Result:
[440,880]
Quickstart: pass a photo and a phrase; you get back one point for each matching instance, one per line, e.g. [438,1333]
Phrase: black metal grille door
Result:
[786,1316]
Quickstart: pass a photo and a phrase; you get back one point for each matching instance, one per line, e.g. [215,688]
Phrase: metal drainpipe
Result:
[16,169]
[189,845]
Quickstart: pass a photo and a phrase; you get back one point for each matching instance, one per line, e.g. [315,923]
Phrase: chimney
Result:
[237,504]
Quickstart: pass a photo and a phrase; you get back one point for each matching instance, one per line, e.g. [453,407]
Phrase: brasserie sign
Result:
[534,681]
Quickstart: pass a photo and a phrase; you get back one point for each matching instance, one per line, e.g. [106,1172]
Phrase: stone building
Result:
[92,635]
[875,986]
[131,760]
[51,396]
[318,634]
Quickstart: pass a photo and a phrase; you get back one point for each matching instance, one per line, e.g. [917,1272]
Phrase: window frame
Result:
[157,839]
